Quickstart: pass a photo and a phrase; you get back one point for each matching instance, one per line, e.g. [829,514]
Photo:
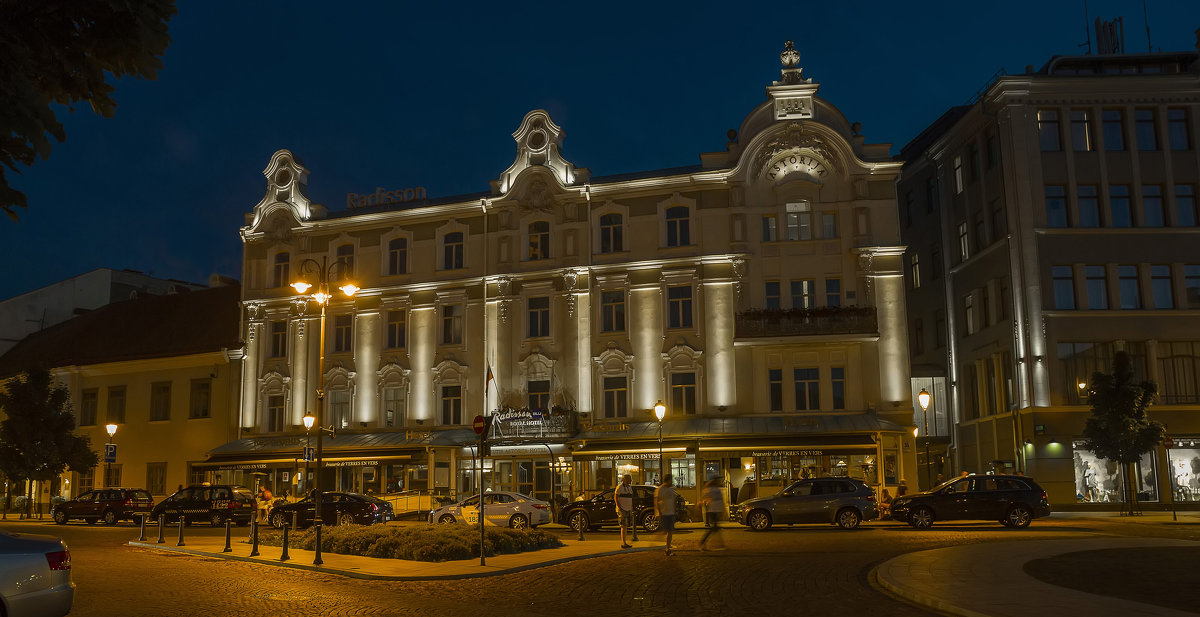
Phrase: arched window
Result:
[398,256]
[345,254]
[539,240]
[612,237]
[452,244]
[282,270]
[679,232]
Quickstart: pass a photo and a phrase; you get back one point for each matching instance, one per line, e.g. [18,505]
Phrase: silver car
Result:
[35,576]
[844,502]
[500,508]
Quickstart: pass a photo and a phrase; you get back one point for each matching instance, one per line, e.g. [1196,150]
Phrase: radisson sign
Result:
[381,197]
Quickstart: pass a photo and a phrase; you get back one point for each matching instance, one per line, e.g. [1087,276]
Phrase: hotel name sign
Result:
[381,197]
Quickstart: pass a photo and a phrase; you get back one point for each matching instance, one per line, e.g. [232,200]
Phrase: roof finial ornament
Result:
[789,56]
[790,73]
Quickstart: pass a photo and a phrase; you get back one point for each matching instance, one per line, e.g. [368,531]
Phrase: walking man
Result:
[713,501]
[623,497]
[664,507]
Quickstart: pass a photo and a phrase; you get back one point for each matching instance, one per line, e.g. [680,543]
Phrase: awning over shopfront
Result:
[259,452]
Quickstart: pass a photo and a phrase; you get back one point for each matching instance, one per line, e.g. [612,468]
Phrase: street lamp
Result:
[323,274]
[309,420]
[112,430]
[923,398]
[660,412]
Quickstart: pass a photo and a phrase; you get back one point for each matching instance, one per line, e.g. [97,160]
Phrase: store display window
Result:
[1099,480]
[1184,462]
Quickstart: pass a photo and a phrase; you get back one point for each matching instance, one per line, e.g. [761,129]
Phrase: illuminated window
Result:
[397,322]
[1081,131]
[451,405]
[1146,129]
[339,408]
[807,384]
[398,256]
[1177,129]
[683,393]
[275,417]
[281,274]
[679,306]
[539,240]
[1048,135]
[1064,287]
[452,324]
[612,234]
[1114,129]
[616,402]
[278,339]
[452,251]
[612,311]
[342,335]
[799,221]
[539,394]
[345,254]
[678,226]
[539,317]
[772,296]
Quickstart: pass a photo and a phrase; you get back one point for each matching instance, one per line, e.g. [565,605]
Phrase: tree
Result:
[59,52]
[37,435]
[1120,429]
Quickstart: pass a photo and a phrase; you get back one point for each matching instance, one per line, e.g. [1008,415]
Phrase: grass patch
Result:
[419,543]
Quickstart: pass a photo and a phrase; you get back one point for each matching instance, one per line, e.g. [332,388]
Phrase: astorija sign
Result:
[381,197]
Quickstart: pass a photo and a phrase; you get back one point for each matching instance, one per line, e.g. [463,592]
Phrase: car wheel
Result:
[60,517]
[110,517]
[848,518]
[519,521]
[446,519]
[278,520]
[345,518]
[759,520]
[578,520]
[650,522]
[1019,517]
[216,520]
[91,521]
[921,518]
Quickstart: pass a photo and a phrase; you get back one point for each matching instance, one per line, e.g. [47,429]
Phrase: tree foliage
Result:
[60,52]
[37,435]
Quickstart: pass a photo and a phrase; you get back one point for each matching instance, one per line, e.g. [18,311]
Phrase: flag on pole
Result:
[487,382]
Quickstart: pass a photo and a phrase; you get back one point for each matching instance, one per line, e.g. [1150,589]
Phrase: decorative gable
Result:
[287,182]
[539,143]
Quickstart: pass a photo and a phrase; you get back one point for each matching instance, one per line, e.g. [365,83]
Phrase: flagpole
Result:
[487,362]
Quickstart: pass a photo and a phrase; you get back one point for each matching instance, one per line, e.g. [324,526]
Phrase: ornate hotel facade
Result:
[758,295]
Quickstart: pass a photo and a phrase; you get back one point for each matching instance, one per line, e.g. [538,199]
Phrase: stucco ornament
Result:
[793,140]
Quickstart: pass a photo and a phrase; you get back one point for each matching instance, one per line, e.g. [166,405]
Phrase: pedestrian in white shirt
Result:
[713,501]
[664,507]
[623,497]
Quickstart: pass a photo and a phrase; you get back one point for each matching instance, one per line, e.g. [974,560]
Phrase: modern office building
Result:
[758,295]
[1049,224]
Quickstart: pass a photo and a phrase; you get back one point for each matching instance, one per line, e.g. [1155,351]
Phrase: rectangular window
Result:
[678,226]
[1097,287]
[1118,197]
[1089,205]
[931,195]
[89,402]
[539,395]
[807,383]
[1160,287]
[86,480]
[116,404]
[918,336]
[1064,288]
[998,223]
[804,294]
[452,324]
[452,251]
[1185,205]
[160,401]
[799,221]
[200,399]
[829,226]
[939,328]
[969,314]
[775,389]
[451,405]
[279,339]
[964,242]
[345,254]
[837,377]
[1127,285]
[612,311]
[1114,129]
[1081,131]
[1191,285]
[679,306]
[993,150]
[616,397]
[958,175]
[275,416]
[773,301]
[1179,373]
[914,270]
[974,159]
[985,305]
[1048,135]
[768,228]
[342,333]
[683,393]
[112,475]
[935,260]
[539,239]
[1146,129]
[397,325]
[1152,205]
[539,317]
[612,233]
[833,292]
[281,273]
[156,478]
[1056,206]
[1177,129]
[980,232]
[397,256]
[393,407]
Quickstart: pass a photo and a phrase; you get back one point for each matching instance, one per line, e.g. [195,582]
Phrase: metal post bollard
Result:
[634,521]
[142,528]
[254,538]
[581,531]
[180,542]
[284,556]
[295,519]
[162,522]
[317,560]
[228,535]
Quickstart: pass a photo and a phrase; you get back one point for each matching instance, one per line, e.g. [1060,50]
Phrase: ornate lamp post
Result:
[660,412]
[112,430]
[324,274]
[923,398]
[309,420]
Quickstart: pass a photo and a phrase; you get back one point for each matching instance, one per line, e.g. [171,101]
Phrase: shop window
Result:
[539,240]
[397,256]
[281,272]
[612,236]
[116,404]
[1099,480]
[345,254]
[807,384]
[275,415]
[679,226]
[1056,205]
[1048,136]
[451,405]
[397,324]
[616,397]
[539,395]
[393,407]
[339,408]
[89,402]
[683,393]
[683,472]
[1114,129]
[160,401]
[679,306]
[837,376]
[278,339]
[539,317]
[612,311]
[1184,469]
[772,300]
[452,324]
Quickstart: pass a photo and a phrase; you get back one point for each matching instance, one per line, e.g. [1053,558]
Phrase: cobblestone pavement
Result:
[814,570]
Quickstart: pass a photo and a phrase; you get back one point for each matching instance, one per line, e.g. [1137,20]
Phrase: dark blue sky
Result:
[397,96]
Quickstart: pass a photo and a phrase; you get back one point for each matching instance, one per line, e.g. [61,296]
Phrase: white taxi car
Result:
[35,576]
[500,508]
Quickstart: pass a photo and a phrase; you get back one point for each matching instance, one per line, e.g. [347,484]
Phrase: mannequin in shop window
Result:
[1089,482]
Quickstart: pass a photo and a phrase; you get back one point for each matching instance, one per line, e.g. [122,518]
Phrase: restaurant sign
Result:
[789,453]
[351,463]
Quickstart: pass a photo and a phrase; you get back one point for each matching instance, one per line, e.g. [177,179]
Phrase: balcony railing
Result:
[806,322]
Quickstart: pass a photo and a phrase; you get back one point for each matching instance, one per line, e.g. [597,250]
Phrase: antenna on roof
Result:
[1110,36]
[1087,29]
[1146,16]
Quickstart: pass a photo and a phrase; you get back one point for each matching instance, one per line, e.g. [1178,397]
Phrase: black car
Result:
[602,510]
[337,508]
[1014,501]
[215,503]
[111,505]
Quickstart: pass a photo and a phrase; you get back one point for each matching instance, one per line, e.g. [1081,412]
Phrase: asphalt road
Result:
[807,569]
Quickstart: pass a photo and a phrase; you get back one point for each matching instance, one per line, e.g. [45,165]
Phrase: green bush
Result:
[419,543]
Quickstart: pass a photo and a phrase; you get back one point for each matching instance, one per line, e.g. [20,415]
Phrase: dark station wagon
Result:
[111,505]
[1014,501]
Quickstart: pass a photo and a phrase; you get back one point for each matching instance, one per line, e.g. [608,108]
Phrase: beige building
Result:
[1050,224]
[758,295]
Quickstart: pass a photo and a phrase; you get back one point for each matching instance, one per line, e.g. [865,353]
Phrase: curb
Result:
[919,599]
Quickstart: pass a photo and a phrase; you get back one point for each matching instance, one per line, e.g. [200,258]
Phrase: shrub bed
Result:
[419,543]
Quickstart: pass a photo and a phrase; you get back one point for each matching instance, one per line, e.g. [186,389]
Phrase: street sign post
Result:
[309,454]
[110,453]
[478,424]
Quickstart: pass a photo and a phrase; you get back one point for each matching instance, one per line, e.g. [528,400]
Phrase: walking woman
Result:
[713,501]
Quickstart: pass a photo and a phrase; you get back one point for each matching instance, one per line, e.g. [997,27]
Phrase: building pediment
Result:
[539,146]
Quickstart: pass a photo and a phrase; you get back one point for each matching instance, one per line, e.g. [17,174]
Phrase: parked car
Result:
[500,508]
[337,508]
[601,510]
[111,505]
[1013,500]
[35,576]
[844,502]
[215,503]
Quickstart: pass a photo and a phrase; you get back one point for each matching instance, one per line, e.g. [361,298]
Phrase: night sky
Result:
[395,96]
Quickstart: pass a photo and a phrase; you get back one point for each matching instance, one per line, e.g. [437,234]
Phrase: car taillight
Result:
[1043,495]
[375,507]
[540,506]
[59,560]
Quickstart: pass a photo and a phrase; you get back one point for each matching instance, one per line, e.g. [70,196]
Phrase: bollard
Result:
[162,522]
[228,535]
[317,560]
[284,556]
[254,538]
[295,520]
[581,533]
[180,542]
[142,528]
[634,529]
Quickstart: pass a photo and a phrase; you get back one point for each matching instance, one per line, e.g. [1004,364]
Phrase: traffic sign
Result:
[309,454]
[110,453]
[1168,442]
[478,425]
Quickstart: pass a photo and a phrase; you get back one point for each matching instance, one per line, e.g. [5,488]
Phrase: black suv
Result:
[111,505]
[602,510]
[1013,500]
[213,503]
